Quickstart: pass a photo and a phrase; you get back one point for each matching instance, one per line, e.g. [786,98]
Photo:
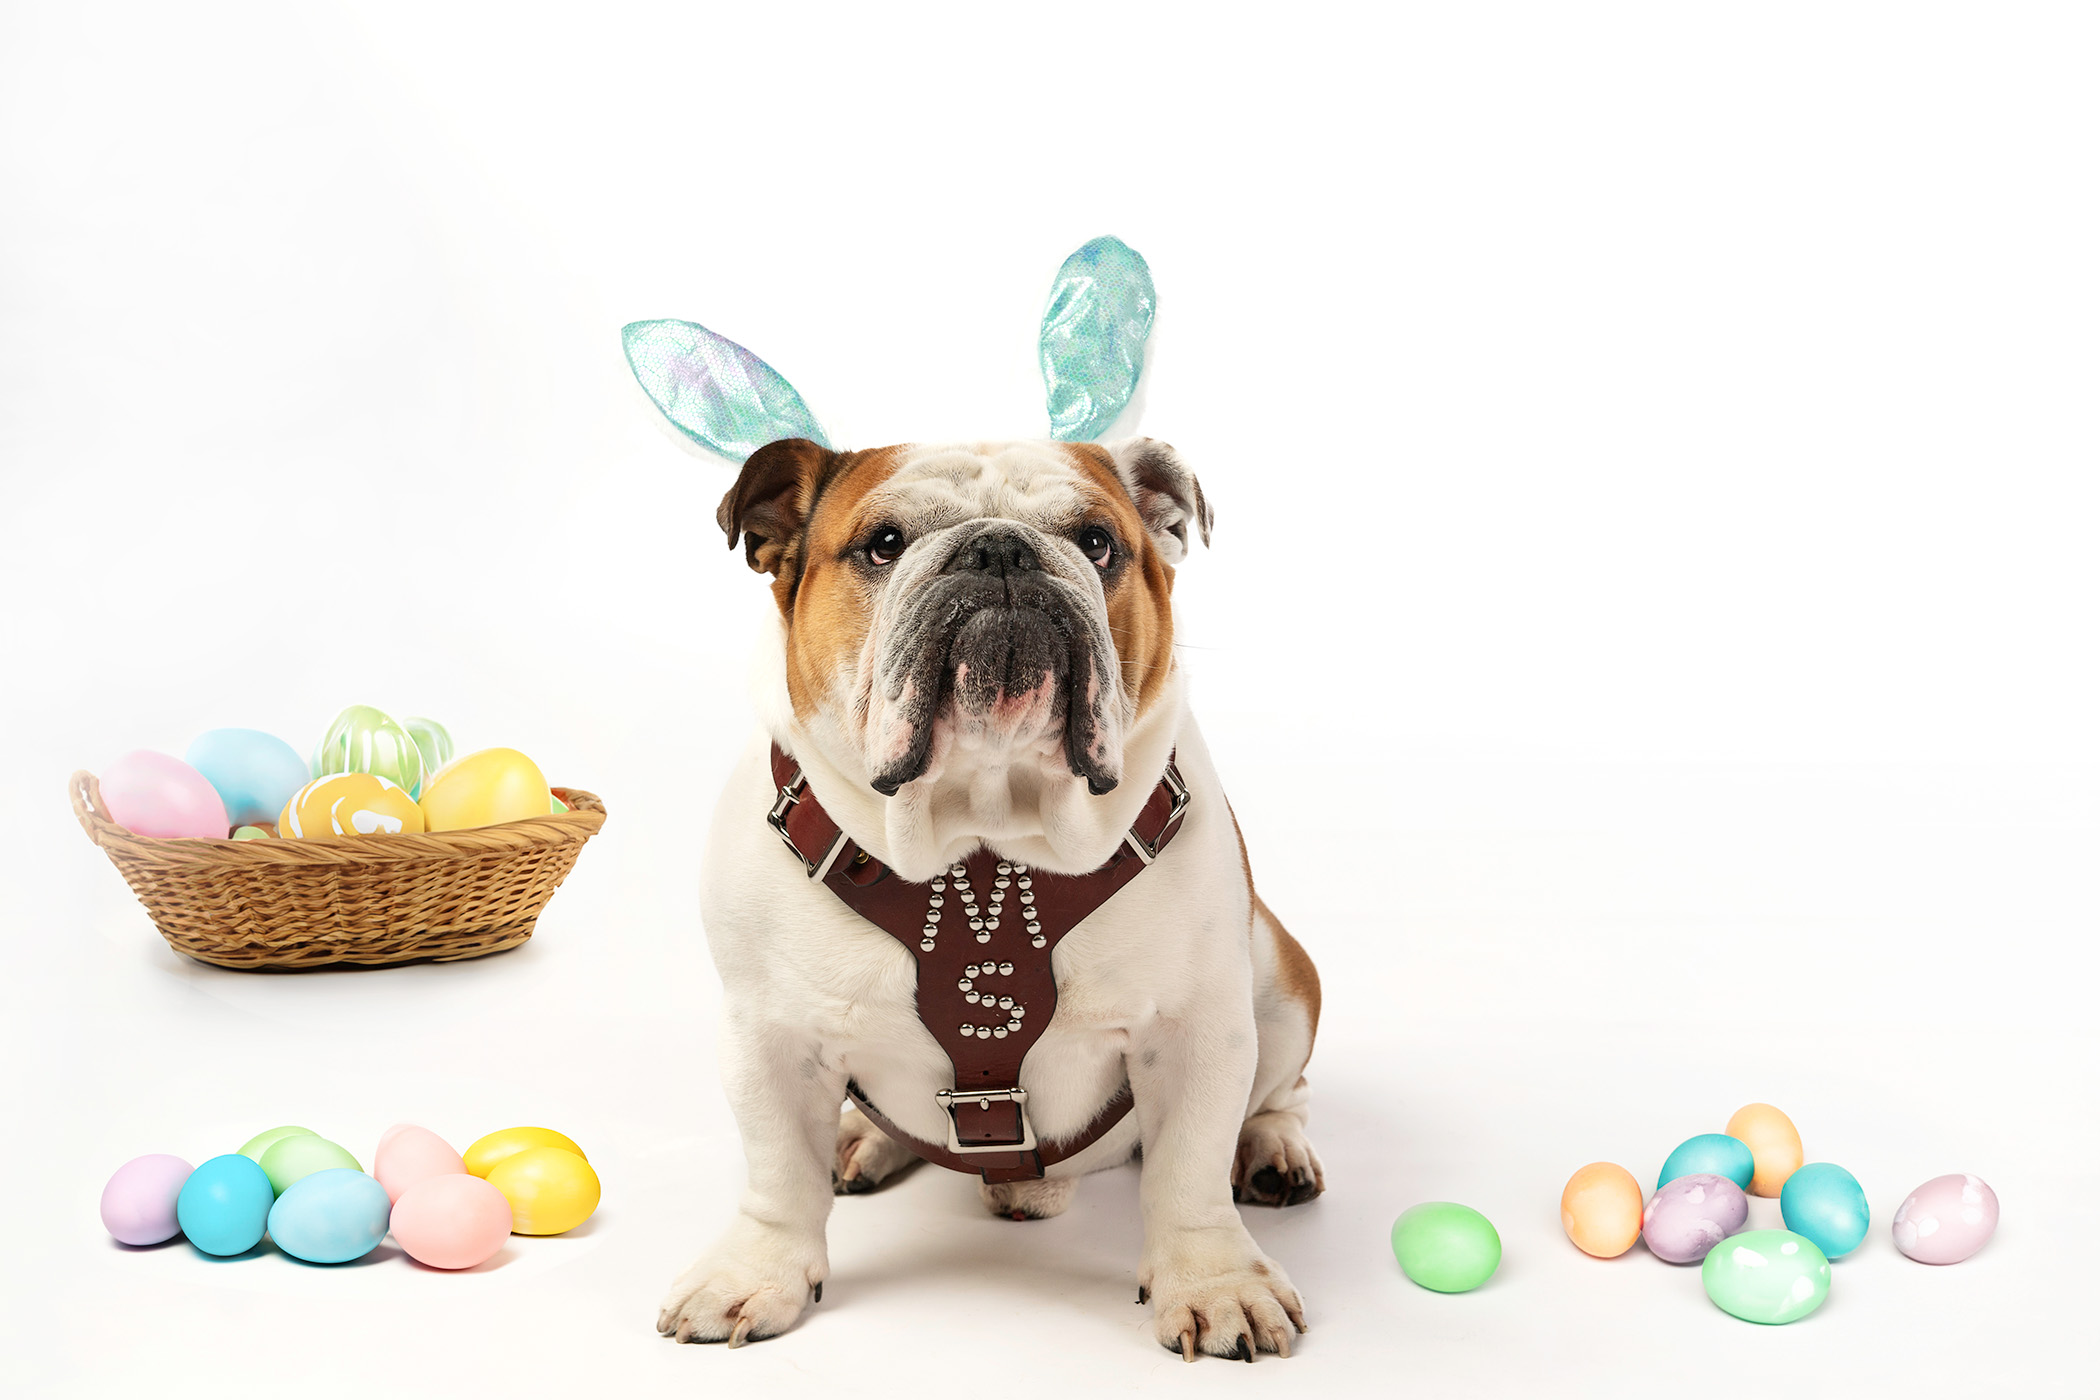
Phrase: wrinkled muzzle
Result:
[993,633]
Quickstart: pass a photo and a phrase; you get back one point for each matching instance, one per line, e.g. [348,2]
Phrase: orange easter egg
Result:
[349,804]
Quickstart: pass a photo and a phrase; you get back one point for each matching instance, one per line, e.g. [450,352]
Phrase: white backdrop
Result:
[1654,460]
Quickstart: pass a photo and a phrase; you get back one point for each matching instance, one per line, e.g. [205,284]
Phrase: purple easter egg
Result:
[1947,1219]
[138,1205]
[1691,1215]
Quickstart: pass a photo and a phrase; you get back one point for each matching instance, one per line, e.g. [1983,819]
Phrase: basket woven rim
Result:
[585,816]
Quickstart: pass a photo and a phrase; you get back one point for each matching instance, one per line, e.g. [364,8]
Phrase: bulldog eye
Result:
[1097,544]
[885,545]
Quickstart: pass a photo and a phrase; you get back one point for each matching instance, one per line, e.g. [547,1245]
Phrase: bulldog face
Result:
[1007,603]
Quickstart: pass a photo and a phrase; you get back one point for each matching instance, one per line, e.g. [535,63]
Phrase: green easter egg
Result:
[1450,1248]
[557,805]
[254,1148]
[432,739]
[250,833]
[1768,1276]
[289,1158]
[365,740]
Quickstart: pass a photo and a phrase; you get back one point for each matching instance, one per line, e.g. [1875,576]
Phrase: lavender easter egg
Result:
[1691,1215]
[1947,1219]
[138,1205]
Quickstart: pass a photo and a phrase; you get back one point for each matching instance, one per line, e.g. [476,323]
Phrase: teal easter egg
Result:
[432,740]
[330,1217]
[296,1156]
[1823,1202]
[224,1205]
[255,773]
[1715,1154]
[1769,1276]
[1445,1246]
[365,740]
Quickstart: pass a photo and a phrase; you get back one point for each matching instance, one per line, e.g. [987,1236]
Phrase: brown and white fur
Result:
[984,677]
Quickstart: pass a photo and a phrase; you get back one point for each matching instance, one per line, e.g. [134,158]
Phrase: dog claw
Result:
[743,1330]
[1244,1352]
[1188,1345]
[1144,1295]
[816,1294]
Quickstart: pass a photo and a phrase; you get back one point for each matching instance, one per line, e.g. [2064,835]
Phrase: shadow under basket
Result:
[367,900]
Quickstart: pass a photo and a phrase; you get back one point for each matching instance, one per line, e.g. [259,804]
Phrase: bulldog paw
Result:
[739,1297]
[1221,1296]
[867,1156]
[1275,1164]
[1029,1200]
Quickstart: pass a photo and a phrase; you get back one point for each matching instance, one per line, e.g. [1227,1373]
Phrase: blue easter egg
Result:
[330,1217]
[224,1205]
[1823,1202]
[1716,1154]
[255,773]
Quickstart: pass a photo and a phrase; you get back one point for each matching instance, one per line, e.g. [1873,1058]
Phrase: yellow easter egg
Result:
[1774,1143]
[508,1142]
[349,804]
[550,1191]
[484,788]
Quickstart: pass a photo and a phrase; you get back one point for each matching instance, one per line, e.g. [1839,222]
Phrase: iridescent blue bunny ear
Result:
[714,391]
[1093,341]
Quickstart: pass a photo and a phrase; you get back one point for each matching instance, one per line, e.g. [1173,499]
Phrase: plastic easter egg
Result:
[1445,1246]
[254,1147]
[138,1204]
[330,1217]
[225,1205]
[411,1154]
[1691,1215]
[254,773]
[1947,1219]
[485,788]
[1600,1208]
[1715,1153]
[151,794]
[1770,1276]
[1823,1202]
[555,804]
[264,832]
[288,1159]
[350,804]
[365,740]
[432,741]
[550,1191]
[488,1151]
[451,1222]
[1775,1146]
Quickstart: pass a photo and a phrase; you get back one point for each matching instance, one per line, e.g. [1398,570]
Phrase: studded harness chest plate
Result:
[986,929]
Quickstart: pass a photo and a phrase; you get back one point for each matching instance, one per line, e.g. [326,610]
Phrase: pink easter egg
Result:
[1947,1219]
[451,1222]
[138,1205]
[408,1155]
[151,794]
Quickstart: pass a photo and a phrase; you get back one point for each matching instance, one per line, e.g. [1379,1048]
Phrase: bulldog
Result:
[974,662]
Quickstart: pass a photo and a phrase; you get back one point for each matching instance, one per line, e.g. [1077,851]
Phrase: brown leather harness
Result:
[988,927]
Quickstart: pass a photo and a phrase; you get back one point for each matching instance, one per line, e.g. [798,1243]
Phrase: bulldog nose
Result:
[996,552]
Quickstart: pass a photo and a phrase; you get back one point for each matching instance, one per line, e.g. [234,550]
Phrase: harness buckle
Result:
[952,1099]
[1148,851]
[791,793]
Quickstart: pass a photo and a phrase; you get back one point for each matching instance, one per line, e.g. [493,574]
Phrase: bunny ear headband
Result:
[729,402]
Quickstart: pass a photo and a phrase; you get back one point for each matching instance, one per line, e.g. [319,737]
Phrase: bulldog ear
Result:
[719,396]
[772,498]
[1167,494]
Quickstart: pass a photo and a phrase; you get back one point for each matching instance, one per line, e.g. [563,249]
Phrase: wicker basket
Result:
[433,896]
